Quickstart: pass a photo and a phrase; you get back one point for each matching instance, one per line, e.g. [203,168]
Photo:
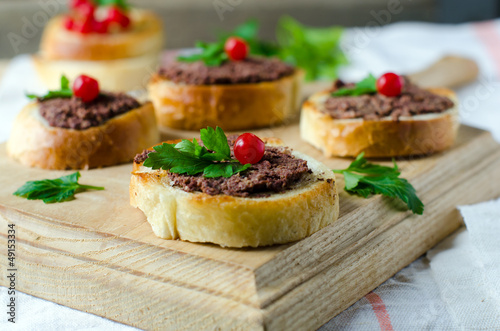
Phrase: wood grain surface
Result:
[99,255]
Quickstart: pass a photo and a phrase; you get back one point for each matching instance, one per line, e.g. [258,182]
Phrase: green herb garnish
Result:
[54,190]
[365,86]
[364,179]
[249,31]
[64,92]
[118,3]
[189,157]
[316,50]
[212,54]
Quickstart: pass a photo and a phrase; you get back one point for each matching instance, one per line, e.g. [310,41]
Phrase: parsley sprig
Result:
[366,86]
[249,31]
[54,190]
[316,50]
[212,54]
[189,157]
[364,179]
[118,3]
[64,92]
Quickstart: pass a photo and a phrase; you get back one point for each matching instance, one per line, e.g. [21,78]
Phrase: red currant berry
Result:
[125,22]
[85,88]
[100,26]
[69,23]
[236,48]
[115,15]
[73,4]
[249,148]
[83,27]
[390,84]
[86,10]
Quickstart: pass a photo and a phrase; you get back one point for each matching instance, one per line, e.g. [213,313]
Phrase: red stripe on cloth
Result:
[488,34]
[380,311]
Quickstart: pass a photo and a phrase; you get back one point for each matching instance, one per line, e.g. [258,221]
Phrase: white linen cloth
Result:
[456,285]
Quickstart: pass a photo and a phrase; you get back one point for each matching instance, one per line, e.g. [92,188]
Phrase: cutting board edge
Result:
[484,138]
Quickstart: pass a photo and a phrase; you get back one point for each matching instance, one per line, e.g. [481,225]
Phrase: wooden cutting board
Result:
[97,254]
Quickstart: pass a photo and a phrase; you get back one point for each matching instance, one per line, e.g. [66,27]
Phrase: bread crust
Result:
[144,37]
[415,135]
[36,144]
[113,75]
[235,221]
[231,106]
[120,61]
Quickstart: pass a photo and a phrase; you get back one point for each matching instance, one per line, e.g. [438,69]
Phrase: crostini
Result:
[283,197]
[369,117]
[119,46]
[81,128]
[233,91]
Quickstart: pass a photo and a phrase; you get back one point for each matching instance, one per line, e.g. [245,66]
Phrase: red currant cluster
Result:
[83,18]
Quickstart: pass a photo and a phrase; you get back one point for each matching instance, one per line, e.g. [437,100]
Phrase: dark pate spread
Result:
[412,101]
[73,113]
[249,70]
[276,172]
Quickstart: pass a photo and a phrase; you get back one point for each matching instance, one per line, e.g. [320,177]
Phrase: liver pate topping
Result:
[249,70]
[276,172]
[73,113]
[412,101]
[141,157]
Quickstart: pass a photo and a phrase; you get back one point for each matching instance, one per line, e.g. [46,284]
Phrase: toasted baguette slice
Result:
[113,75]
[145,36]
[231,106]
[232,221]
[415,135]
[36,144]
[120,61]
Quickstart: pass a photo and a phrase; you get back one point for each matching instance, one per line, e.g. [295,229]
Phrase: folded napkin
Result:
[456,286]
[466,268]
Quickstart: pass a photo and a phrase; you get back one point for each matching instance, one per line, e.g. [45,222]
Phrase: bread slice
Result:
[230,221]
[113,75]
[415,135]
[119,61]
[36,144]
[230,106]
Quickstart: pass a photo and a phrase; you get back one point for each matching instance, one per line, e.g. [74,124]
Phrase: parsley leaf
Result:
[224,169]
[64,83]
[64,92]
[118,3]
[191,147]
[212,54]
[366,86]
[54,190]
[215,140]
[364,179]
[167,157]
[189,157]
[316,50]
